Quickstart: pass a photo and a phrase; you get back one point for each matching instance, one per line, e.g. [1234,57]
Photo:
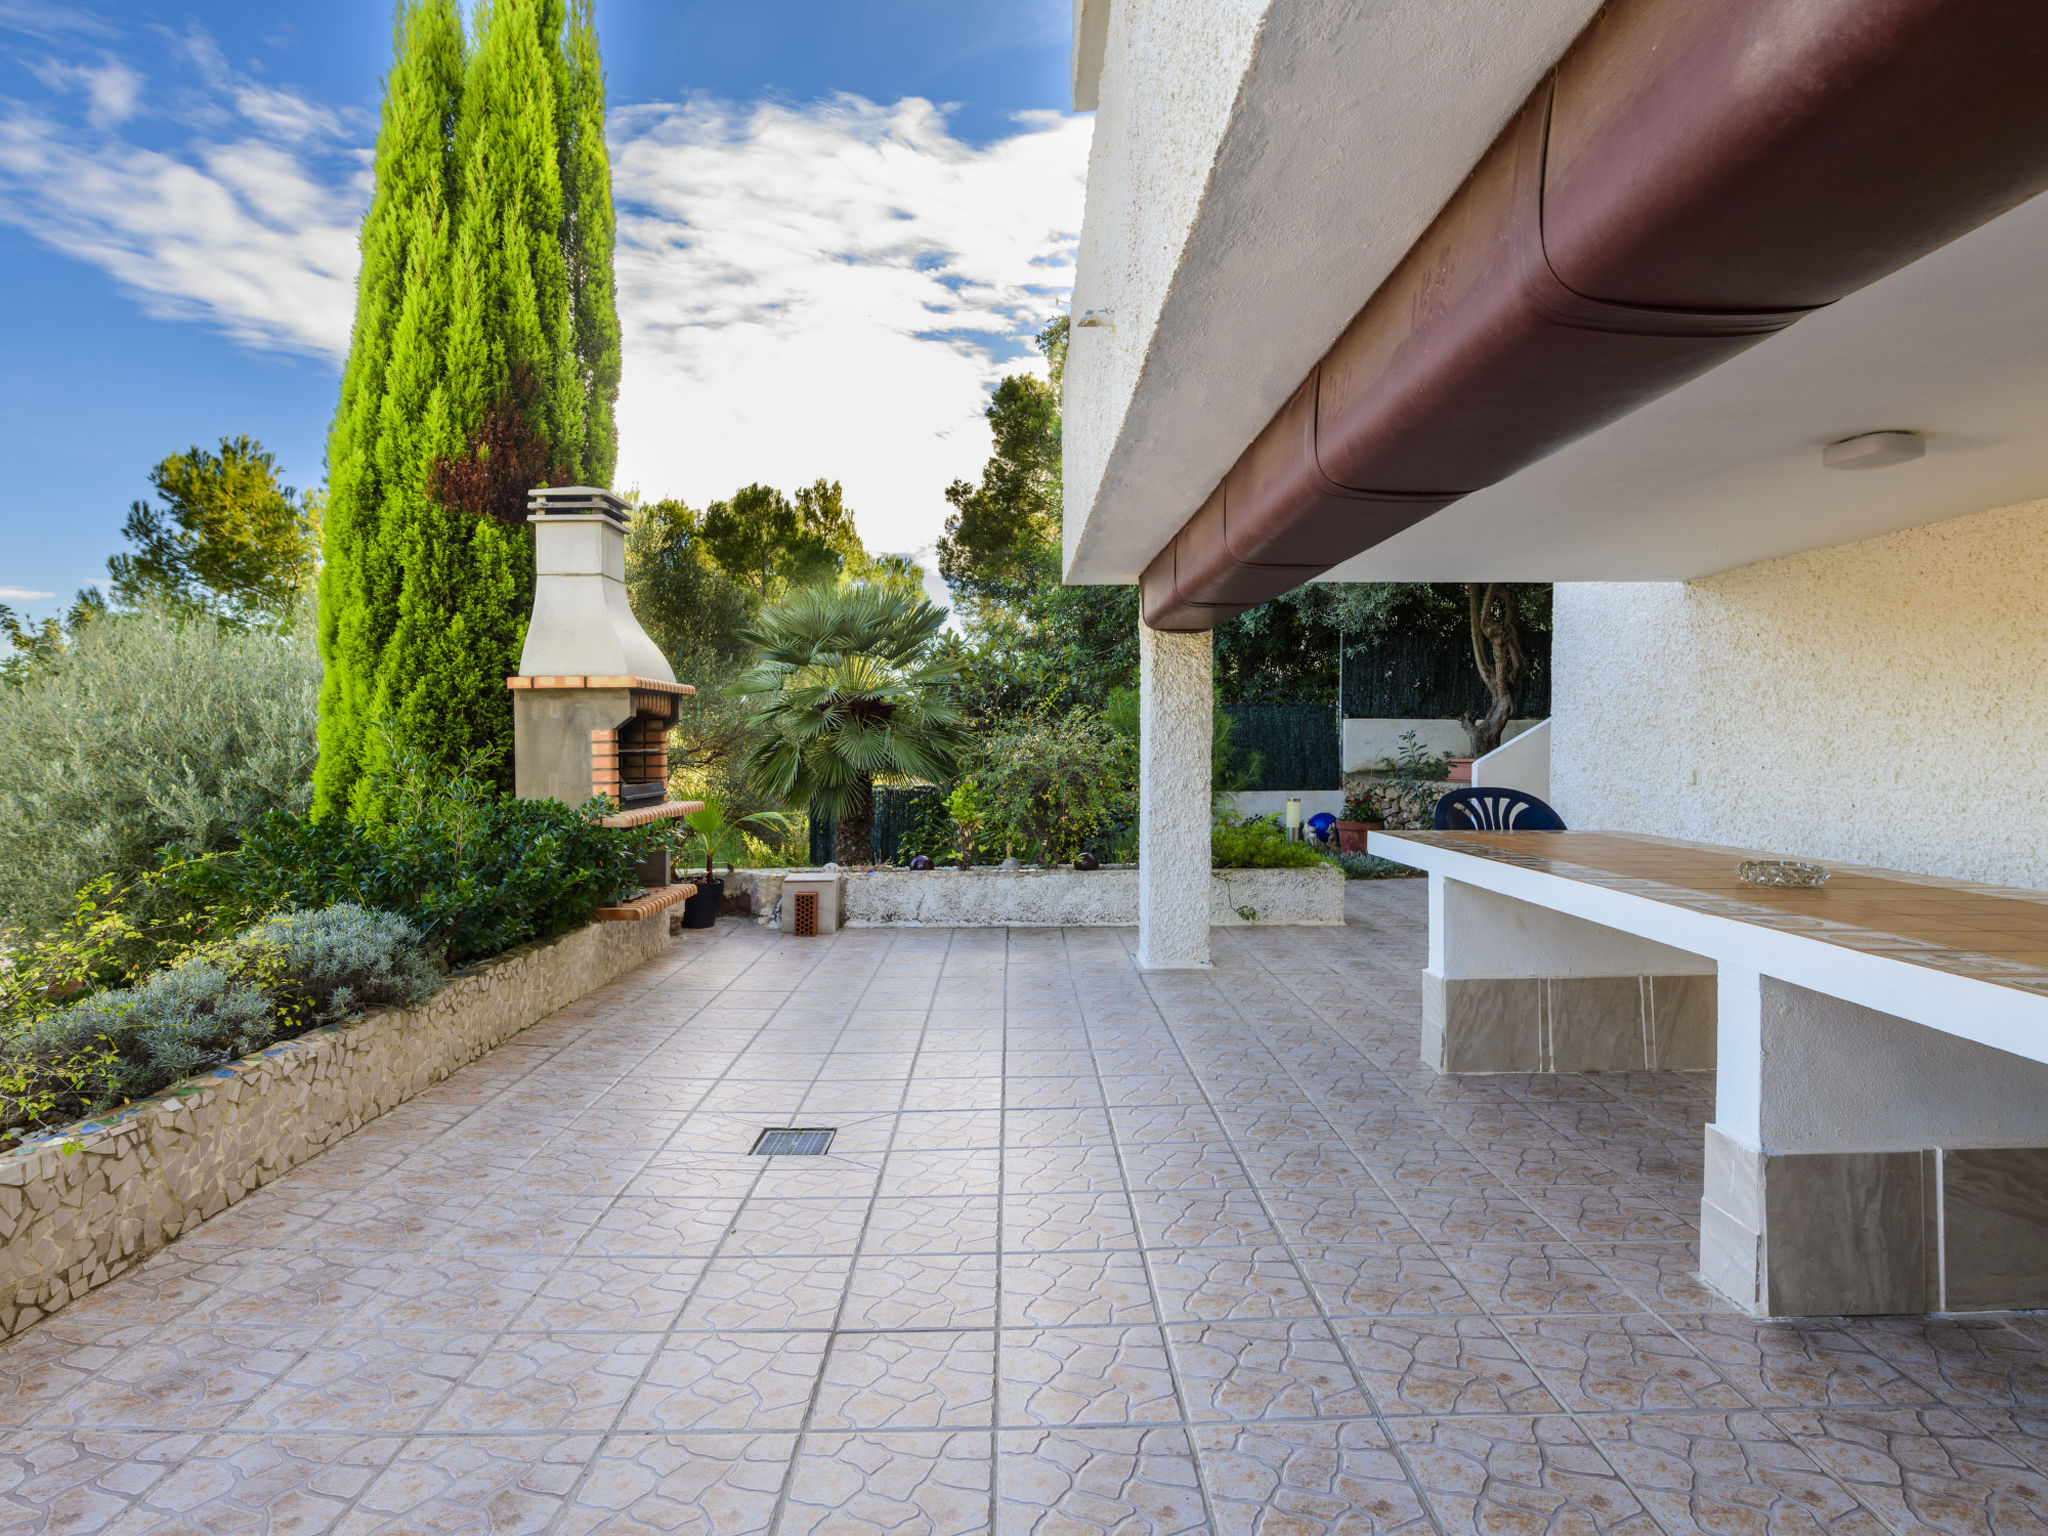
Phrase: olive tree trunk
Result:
[1495,609]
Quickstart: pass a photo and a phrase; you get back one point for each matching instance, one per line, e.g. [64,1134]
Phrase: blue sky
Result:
[840,223]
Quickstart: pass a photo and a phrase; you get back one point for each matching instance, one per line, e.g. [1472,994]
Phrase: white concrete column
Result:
[1175,709]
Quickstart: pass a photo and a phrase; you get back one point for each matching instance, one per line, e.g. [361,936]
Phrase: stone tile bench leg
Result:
[1513,987]
[1860,1163]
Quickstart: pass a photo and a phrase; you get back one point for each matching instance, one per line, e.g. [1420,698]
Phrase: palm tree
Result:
[845,685]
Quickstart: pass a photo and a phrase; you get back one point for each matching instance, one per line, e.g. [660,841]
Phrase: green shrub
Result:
[1048,788]
[1369,866]
[318,967]
[1260,843]
[1410,764]
[935,829]
[150,733]
[1229,769]
[475,870]
[99,946]
[280,978]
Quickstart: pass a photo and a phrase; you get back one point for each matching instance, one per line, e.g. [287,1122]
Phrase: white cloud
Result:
[238,234]
[111,88]
[805,291]
[814,291]
[21,595]
[250,226]
[50,19]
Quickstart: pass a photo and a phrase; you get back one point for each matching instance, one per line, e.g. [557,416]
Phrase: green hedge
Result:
[1296,745]
[897,812]
[1426,674]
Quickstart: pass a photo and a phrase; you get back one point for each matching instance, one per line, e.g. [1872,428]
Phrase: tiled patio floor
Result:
[1094,1252]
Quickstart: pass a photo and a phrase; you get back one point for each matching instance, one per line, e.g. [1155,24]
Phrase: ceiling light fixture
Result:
[1873,450]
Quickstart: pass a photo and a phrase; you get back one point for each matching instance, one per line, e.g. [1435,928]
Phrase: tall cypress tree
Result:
[380,447]
[507,381]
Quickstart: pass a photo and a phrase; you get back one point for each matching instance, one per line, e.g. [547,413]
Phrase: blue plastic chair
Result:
[1488,809]
[1323,824]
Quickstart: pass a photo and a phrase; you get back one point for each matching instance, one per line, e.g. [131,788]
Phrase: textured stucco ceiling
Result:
[1726,470]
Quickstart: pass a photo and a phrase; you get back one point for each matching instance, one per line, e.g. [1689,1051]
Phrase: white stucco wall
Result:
[1883,702]
[1169,78]
[1258,167]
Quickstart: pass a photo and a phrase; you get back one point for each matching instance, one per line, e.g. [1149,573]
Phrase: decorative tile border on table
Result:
[86,1204]
[1940,957]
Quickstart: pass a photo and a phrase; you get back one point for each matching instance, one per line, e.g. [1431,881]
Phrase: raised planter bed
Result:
[81,1206]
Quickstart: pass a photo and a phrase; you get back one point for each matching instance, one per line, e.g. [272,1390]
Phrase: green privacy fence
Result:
[1296,744]
[896,812]
[1425,674]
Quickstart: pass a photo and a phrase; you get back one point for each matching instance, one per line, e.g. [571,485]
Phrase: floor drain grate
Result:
[792,1141]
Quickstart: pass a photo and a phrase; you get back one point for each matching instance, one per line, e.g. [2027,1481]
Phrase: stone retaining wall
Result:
[130,1182]
[1407,807]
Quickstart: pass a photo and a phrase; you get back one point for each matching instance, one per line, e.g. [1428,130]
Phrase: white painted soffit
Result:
[1091,39]
[1356,122]
[1726,470]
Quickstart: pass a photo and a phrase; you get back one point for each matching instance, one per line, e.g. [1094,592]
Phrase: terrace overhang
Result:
[1559,358]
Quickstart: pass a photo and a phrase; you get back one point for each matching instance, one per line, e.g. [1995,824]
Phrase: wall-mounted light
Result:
[1874,450]
[1096,319]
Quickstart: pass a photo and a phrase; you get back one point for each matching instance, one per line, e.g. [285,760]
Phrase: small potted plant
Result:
[1412,781]
[964,806]
[1361,815]
[722,839]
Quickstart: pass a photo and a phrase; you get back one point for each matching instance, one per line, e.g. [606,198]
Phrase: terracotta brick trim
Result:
[644,684]
[668,810]
[648,905]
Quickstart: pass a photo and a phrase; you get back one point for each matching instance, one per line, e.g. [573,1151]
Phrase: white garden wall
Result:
[1068,898]
[1884,702]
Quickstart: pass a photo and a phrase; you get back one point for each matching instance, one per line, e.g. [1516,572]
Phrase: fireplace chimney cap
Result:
[558,500]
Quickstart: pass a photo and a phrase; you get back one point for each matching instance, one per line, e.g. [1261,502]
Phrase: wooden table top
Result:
[1993,932]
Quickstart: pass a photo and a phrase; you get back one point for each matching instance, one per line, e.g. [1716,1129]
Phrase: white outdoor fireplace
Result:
[594,699]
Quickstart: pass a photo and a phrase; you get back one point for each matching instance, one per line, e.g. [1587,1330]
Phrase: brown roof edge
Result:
[1691,179]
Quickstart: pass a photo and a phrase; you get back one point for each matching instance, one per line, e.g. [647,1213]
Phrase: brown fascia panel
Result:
[1691,179]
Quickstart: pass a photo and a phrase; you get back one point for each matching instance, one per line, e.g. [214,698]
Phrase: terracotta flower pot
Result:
[1461,770]
[1351,834]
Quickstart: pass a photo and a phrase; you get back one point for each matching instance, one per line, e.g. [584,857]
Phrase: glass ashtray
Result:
[1780,872]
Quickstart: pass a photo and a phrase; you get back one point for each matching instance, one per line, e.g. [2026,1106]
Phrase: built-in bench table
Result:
[1880,1139]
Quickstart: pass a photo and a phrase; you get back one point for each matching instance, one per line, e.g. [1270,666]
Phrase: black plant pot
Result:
[701,910]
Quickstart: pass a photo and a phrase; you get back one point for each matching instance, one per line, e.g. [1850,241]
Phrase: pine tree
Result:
[515,389]
[228,542]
